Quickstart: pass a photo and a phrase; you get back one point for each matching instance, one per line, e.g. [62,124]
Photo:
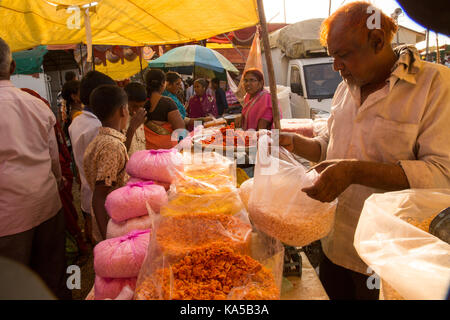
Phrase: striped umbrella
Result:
[184,59]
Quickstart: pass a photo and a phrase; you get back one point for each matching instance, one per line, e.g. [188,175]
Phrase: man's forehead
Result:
[342,38]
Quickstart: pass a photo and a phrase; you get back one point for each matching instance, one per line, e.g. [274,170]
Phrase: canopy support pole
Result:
[268,55]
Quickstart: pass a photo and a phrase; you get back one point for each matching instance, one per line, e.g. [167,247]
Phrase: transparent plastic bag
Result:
[388,238]
[207,186]
[209,255]
[278,207]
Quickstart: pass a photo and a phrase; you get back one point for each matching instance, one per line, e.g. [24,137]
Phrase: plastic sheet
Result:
[158,165]
[414,263]
[119,229]
[121,257]
[278,207]
[130,201]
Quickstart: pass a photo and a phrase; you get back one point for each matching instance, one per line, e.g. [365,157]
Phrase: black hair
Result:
[189,81]
[154,79]
[69,88]
[69,76]
[90,81]
[172,77]
[136,92]
[216,81]
[106,99]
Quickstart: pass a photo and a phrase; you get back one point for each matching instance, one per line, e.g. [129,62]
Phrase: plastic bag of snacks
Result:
[222,260]
[130,201]
[109,288]
[180,234]
[209,167]
[207,186]
[133,180]
[159,165]
[278,207]
[392,238]
[119,229]
[121,257]
[228,203]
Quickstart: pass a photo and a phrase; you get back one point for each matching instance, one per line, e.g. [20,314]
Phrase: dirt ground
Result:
[86,263]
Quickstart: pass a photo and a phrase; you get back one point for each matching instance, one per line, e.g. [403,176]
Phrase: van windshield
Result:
[321,80]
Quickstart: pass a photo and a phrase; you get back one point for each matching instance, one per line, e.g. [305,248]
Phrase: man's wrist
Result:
[353,170]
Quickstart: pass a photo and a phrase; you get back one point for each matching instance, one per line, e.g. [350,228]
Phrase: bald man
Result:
[388,131]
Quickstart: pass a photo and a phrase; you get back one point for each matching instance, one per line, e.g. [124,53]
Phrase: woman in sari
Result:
[202,104]
[163,116]
[257,108]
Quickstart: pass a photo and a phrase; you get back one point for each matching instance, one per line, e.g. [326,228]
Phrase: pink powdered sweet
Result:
[132,180]
[121,257]
[110,288]
[158,165]
[119,229]
[130,201]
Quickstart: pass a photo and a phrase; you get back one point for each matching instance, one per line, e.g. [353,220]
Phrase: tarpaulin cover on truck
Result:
[298,40]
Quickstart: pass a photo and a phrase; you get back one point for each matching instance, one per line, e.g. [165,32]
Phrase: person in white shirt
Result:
[31,217]
[388,131]
[82,131]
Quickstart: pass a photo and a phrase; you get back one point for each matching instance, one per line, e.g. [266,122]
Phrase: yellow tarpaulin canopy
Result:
[28,23]
[119,71]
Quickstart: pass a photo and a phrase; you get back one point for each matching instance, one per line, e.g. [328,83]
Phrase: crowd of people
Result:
[387,131]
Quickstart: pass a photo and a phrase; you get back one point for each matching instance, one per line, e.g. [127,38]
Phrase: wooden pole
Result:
[428,45]
[268,55]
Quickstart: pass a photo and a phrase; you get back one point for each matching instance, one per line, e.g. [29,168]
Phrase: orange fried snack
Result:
[178,235]
[213,273]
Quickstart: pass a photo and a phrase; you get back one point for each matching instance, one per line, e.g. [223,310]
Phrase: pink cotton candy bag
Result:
[130,201]
[159,165]
[110,288]
[121,257]
[119,229]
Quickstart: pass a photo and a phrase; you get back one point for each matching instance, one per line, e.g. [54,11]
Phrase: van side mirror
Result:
[297,88]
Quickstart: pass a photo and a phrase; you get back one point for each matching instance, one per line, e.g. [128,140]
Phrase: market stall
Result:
[196,240]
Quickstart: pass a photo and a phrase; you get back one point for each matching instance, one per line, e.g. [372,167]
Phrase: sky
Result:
[297,10]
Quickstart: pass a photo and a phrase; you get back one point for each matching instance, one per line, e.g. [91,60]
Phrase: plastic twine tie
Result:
[160,151]
[140,184]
